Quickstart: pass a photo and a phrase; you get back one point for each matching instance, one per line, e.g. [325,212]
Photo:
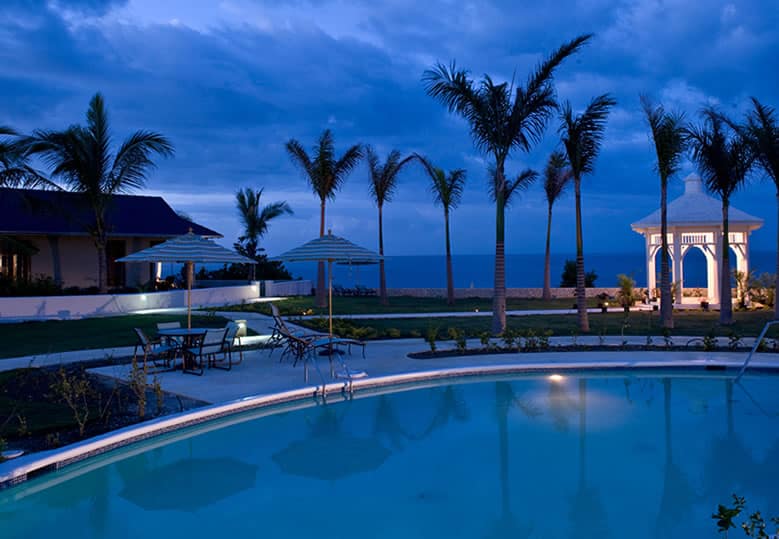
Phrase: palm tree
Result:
[502,118]
[384,180]
[447,190]
[80,157]
[761,132]
[255,221]
[582,136]
[556,178]
[724,160]
[326,175]
[15,170]
[668,135]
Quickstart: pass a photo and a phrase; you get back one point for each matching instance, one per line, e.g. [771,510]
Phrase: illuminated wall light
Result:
[556,378]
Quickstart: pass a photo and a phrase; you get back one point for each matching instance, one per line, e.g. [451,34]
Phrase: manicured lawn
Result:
[31,338]
[403,304]
[747,324]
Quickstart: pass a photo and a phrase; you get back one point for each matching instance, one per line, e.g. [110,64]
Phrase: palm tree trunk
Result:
[102,282]
[581,298]
[252,252]
[725,293]
[776,303]
[382,274]
[547,263]
[499,290]
[666,302]
[449,277]
[321,296]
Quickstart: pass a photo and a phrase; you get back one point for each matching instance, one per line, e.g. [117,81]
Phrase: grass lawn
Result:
[747,324]
[31,338]
[403,304]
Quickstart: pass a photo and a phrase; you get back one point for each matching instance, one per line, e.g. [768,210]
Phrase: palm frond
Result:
[722,158]
[384,177]
[133,161]
[557,176]
[521,182]
[761,132]
[668,135]
[582,134]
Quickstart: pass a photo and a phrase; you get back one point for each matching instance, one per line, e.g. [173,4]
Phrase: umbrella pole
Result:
[330,299]
[190,271]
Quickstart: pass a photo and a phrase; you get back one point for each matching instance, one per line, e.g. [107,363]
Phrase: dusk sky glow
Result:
[229,82]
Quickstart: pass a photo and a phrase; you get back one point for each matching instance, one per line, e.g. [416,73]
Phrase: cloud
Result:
[230,82]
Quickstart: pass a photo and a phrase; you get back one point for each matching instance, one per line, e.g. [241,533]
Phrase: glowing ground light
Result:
[556,378]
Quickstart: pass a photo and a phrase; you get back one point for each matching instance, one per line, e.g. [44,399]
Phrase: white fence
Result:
[280,289]
[64,307]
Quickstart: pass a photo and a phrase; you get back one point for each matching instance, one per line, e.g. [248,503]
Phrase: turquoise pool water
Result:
[592,455]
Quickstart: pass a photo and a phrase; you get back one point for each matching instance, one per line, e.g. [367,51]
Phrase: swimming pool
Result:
[599,454]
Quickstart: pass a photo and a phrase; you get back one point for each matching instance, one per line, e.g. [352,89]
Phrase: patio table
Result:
[189,337]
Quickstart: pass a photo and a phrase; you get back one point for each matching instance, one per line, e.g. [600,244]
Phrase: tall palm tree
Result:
[761,132]
[582,136]
[80,158]
[383,182]
[668,135]
[723,160]
[255,221]
[447,190]
[556,177]
[502,118]
[326,174]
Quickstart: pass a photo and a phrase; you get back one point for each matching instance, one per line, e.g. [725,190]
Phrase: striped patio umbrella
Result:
[330,248]
[188,249]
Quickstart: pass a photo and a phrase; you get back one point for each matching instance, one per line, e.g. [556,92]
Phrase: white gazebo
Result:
[695,221]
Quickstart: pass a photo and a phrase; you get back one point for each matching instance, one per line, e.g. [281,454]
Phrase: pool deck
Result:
[262,374]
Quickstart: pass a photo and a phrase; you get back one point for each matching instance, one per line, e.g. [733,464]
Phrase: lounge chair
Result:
[280,333]
[154,351]
[303,349]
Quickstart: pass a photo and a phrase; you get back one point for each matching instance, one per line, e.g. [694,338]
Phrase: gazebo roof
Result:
[696,208]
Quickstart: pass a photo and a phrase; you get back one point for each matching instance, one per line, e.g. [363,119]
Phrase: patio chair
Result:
[153,351]
[234,333]
[280,333]
[206,351]
[170,341]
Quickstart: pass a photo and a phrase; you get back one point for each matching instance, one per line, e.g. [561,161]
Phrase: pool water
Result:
[592,455]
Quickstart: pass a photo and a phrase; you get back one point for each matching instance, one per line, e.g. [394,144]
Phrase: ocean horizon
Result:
[522,270]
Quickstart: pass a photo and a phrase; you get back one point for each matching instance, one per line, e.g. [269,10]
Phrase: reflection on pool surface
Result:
[591,455]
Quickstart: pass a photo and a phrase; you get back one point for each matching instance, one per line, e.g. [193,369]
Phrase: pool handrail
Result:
[755,347]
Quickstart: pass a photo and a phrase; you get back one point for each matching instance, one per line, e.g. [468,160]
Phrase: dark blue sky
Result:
[230,81]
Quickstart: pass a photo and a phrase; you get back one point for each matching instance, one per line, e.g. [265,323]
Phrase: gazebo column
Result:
[717,267]
[651,278]
[677,266]
[712,275]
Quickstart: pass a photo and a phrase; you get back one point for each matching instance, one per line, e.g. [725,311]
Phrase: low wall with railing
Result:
[525,293]
[65,307]
[281,289]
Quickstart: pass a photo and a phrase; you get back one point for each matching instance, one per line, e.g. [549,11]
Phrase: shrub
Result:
[484,339]
[666,332]
[138,385]
[531,340]
[568,278]
[459,338]
[762,289]
[393,333]
[543,339]
[626,293]
[75,391]
[430,337]
[710,340]
[508,337]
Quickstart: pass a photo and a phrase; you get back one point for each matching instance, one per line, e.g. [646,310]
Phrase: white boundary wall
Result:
[280,289]
[65,307]
[525,293]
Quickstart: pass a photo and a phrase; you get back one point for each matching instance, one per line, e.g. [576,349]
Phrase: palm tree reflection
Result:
[678,496]
[506,525]
[386,423]
[587,514]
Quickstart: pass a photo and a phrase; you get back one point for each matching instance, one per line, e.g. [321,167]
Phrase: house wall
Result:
[72,260]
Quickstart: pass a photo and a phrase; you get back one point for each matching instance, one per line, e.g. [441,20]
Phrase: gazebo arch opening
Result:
[695,222]
[695,262]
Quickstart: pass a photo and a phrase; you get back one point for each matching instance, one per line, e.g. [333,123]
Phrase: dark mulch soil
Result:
[34,417]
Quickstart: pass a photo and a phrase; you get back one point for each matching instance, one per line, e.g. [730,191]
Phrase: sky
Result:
[229,82]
